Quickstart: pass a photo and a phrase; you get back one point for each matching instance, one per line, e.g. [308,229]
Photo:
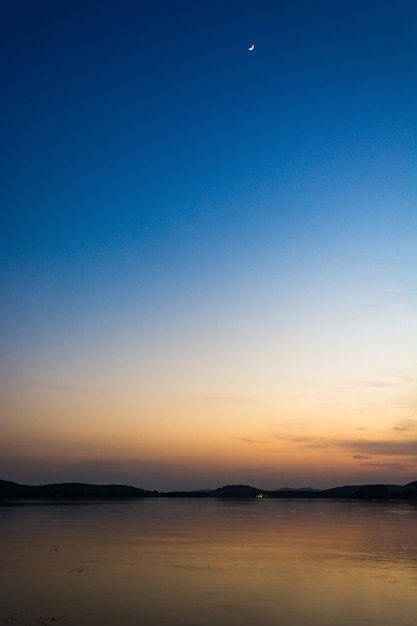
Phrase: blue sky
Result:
[183,217]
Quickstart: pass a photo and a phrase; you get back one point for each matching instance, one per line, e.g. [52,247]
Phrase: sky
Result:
[208,254]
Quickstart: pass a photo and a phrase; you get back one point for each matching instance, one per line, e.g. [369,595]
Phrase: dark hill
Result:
[373,492]
[236,491]
[76,491]
[70,491]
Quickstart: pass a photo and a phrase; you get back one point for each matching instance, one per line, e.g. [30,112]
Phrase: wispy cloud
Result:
[401,466]
[386,448]
[392,447]
[359,457]
[401,378]
[406,425]
[250,440]
[307,440]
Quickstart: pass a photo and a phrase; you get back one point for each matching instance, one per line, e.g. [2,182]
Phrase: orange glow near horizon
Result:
[222,437]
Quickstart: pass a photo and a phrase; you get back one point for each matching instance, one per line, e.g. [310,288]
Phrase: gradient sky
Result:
[208,255]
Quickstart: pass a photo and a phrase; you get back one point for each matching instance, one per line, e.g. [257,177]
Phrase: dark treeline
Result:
[78,491]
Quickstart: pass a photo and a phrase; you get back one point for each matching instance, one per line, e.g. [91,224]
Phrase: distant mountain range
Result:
[84,491]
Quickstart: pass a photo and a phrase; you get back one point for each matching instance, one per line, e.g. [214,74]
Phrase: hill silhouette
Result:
[70,491]
[85,491]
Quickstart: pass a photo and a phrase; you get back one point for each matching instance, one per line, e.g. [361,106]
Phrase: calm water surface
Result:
[209,562]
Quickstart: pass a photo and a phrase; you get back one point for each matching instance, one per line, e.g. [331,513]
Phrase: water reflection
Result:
[188,562]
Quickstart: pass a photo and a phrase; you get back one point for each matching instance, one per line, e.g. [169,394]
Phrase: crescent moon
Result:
[252,47]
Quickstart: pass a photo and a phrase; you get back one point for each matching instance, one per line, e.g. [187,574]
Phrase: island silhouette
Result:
[84,491]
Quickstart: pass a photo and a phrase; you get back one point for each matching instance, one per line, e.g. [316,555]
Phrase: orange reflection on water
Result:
[207,562]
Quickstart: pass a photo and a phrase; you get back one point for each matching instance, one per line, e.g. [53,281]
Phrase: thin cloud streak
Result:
[250,440]
[386,466]
[406,425]
[357,446]
[389,448]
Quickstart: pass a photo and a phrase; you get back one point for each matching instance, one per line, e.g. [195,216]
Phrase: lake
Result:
[207,562]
